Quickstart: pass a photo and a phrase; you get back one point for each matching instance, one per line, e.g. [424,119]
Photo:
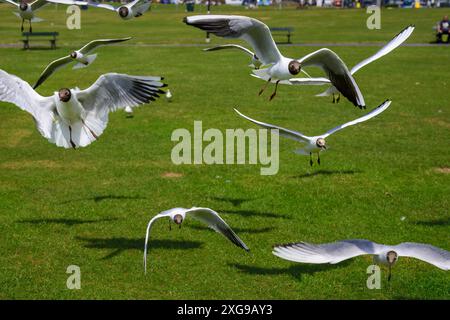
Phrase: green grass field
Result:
[386,180]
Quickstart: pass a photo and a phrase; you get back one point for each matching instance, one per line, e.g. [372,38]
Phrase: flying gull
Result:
[205,215]
[316,144]
[336,252]
[73,118]
[278,67]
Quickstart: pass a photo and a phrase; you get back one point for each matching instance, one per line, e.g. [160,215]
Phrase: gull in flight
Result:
[81,56]
[27,10]
[316,144]
[336,252]
[278,67]
[390,46]
[133,9]
[72,118]
[205,215]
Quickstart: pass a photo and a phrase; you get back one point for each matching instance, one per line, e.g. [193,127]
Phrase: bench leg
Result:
[26,45]
[53,44]
[289,38]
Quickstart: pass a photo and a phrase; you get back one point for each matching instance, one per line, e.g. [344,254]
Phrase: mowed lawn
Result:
[386,180]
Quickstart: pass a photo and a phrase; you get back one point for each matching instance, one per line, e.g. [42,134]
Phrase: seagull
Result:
[390,46]
[336,252]
[133,9]
[81,56]
[316,144]
[205,215]
[26,11]
[278,67]
[73,118]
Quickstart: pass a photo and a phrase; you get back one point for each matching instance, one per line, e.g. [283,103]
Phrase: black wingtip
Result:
[185,20]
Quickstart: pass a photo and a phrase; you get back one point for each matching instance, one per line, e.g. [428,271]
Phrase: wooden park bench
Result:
[28,35]
[283,30]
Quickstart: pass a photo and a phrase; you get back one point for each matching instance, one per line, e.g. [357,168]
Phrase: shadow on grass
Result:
[67,222]
[325,173]
[249,213]
[106,197]
[296,270]
[433,222]
[118,245]
[236,202]
[238,230]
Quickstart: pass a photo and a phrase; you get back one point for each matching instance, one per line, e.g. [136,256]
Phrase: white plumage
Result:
[342,250]
[75,118]
[277,67]
[80,56]
[205,215]
[316,144]
[128,11]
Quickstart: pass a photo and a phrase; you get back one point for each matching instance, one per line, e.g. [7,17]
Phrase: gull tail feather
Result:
[37,19]
[261,73]
[77,134]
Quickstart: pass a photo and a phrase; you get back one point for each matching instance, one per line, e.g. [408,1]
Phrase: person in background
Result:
[443,27]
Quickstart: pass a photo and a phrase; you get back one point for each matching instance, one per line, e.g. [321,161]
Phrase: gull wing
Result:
[425,252]
[215,222]
[114,91]
[100,42]
[231,46]
[147,234]
[326,253]
[390,46]
[51,68]
[294,135]
[337,72]
[368,116]
[11,2]
[15,90]
[253,31]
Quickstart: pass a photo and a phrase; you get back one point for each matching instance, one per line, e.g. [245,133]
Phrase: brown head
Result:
[294,67]
[320,143]
[123,12]
[64,95]
[23,6]
[73,55]
[178,219]
[391,257]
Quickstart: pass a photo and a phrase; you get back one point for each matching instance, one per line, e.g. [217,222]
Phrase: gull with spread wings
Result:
[205,215]
[130,10]
[73,118]
[277,66]
[336,252]
[80,56]
[316,144]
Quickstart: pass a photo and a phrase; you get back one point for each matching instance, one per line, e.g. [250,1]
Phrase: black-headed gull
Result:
[72,118]
[81,56]
[205,215]
[278,67]
[130,10]
[336,252]
[27,10]
[316,144]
